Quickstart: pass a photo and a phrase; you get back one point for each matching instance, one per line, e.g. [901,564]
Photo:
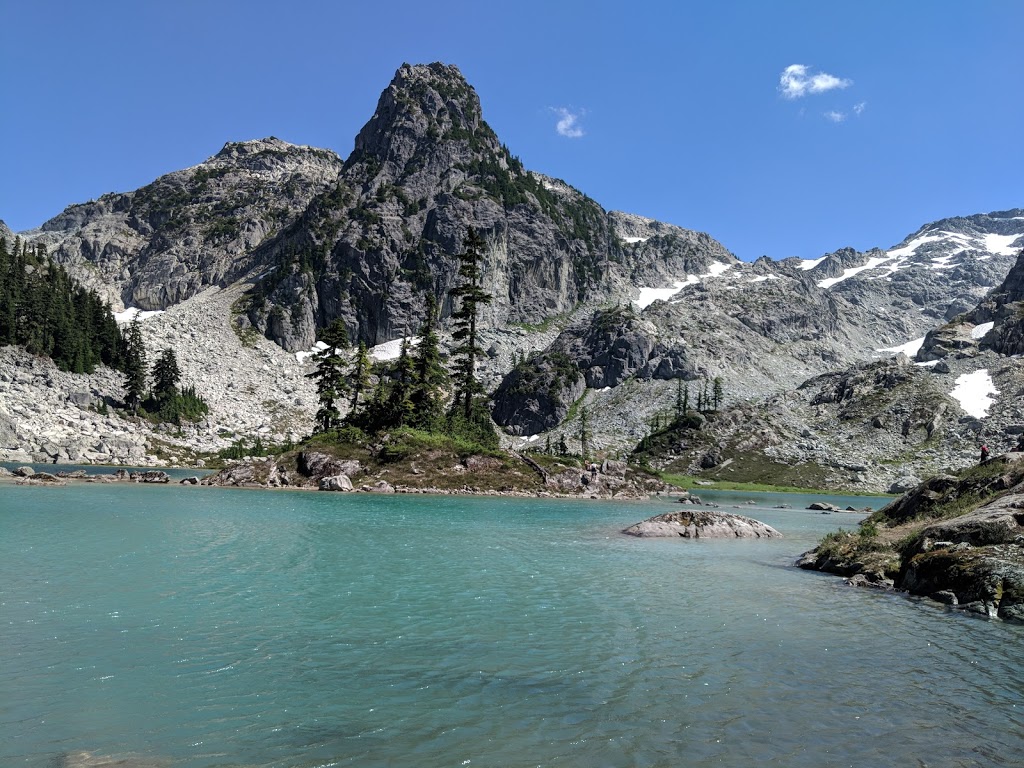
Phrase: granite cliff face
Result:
[425,169]
[190,229]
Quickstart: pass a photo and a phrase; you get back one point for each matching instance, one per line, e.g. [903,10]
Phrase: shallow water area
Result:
[215,627]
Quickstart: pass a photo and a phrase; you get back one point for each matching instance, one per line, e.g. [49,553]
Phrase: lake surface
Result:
[217,627]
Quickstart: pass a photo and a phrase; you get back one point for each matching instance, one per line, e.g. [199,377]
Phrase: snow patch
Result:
[390,350]
[974,393]
[650,295]
[1001,244]
[632,240]
[808,264]
[928,364]
[873,262]
[909,349]
[980,330]
[717,268]
[123,318]
[317,347]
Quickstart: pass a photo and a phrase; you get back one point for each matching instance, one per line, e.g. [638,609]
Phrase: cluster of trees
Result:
[412,390]
[155,392]
[46,312]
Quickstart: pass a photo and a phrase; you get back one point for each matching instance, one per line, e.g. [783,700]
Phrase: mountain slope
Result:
[189,229]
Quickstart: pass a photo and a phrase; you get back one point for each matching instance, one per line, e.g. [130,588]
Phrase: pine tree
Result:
[166,376]
[360,378]
[464,321]
[430,375]
[330,376]
[400,404]
[563,449]
[134,367]
[717,392]
[584,434]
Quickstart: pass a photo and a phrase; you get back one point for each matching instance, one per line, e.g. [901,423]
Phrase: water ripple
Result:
[255,629]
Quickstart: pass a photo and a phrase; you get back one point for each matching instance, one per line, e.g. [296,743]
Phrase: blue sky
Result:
[902,113]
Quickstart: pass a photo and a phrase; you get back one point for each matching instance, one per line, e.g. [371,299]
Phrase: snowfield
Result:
[974,392]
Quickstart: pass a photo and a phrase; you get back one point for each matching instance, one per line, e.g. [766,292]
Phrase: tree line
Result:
[411,391]
[48,313]
[43,310]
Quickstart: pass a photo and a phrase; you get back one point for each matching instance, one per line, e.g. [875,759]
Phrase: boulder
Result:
[823,506]
[701,524]
[904,484]
[24,472]
[152,476]
[318,464]
[189,481]
[335,483]
[382,486]
[688,498]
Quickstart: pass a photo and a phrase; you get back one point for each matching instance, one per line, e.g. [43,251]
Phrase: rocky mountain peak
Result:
[425,108]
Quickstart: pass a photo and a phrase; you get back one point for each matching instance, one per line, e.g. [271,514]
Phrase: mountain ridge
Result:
[302,238]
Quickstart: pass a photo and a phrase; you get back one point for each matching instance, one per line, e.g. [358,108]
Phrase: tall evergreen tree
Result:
[166,376]
[584,434]
[360,378]
[134,367]
[400,404]
[430,375]
[471,297]
[330,376]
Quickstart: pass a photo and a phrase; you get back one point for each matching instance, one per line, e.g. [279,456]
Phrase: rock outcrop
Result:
[958,539]
[190,229]
[701,524]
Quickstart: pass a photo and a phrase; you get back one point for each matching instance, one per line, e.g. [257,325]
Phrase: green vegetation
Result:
[689,482]
[46,312]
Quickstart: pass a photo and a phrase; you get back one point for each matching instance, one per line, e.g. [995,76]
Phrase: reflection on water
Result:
[211,627]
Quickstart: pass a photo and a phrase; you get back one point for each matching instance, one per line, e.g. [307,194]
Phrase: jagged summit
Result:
[423,101]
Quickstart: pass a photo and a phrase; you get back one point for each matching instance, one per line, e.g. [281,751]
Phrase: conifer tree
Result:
[584,433]
[464,319]
[400,404]
[134,367]
[717,392]
[360,378]
[430,375]
[330,376]
[166,376]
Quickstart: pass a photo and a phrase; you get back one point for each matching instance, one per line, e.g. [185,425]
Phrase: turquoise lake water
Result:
[216,627]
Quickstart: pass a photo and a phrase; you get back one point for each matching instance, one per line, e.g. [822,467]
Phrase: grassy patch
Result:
[691,482]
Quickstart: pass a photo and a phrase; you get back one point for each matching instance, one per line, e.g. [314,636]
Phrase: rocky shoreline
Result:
[955,539]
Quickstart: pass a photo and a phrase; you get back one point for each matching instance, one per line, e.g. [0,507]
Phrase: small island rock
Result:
[701,524]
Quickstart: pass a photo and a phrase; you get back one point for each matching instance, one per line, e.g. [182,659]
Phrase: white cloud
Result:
[796,81]
[568,122]
[859,107]
[835,117]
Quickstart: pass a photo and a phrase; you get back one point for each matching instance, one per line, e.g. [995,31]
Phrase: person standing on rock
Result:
[984,453]
[1020,443]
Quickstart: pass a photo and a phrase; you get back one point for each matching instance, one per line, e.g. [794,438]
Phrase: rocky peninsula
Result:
[957,539]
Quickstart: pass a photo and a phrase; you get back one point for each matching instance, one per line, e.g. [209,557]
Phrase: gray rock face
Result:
[190,229]
[425,168]
[335,483]
[699,524]
[537,394]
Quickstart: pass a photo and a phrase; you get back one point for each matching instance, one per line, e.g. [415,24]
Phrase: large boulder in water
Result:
[701,524]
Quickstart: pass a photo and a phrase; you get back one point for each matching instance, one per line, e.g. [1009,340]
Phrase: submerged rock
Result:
[701,524]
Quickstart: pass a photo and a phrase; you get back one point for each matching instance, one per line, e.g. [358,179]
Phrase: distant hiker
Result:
[1020,443]
[984,454]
